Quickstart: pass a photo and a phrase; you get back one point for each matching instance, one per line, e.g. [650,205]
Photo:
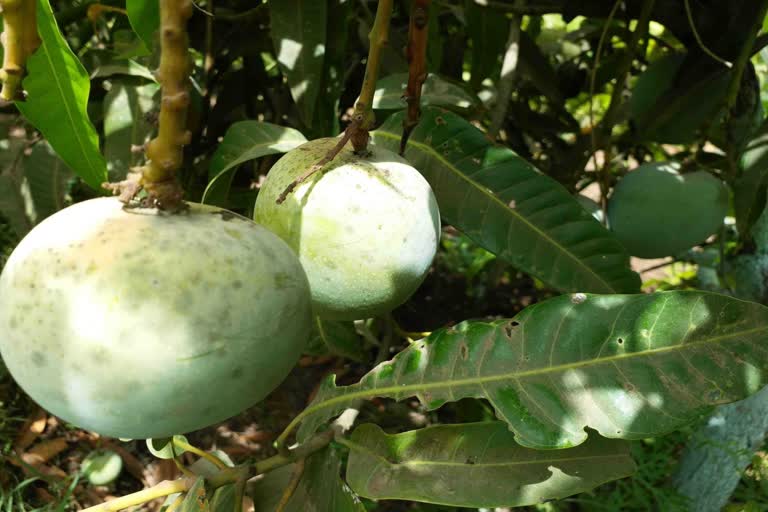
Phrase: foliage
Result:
[531,342]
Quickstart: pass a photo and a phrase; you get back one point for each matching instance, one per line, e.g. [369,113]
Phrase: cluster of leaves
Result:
[569,380]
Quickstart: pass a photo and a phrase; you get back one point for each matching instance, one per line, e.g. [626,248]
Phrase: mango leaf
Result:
[245,141]
[144,17]
[487,29]
[127,67]
[14,189]
[535,66]
[196,499]
[669,102]
[58,87]
[628,366]
[47,176]
[508,207]
[436,91]
[476,465]
[319,490]
[298,33]
[338,338]
[125,125]
[750,187]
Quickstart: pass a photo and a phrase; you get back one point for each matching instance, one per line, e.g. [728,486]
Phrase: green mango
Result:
[365,228]
[139,324]
[655,211]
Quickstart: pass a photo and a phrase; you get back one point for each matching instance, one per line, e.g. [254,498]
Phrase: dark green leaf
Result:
[670,103]
[487,29]
[436,91]
[298,34]
[339,338]
[126,125]
[628,366]
[508,207]
[47,177]
[535,66]
[245,141]
[319,490]
[58,87]
[476,465]
[144,17]
[750,188]
[14,189]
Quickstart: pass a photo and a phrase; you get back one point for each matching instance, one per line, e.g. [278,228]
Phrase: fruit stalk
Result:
[13,45]
[165,152]
[363,116]
[416,53]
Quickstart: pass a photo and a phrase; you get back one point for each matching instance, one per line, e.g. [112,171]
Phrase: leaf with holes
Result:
[298,33]
[508,207]
[628,366]
[245,141]
[476,465]
[57,86]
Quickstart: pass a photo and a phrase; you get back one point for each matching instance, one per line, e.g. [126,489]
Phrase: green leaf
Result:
[476,465]
[436,91]
[487,29]
[47,177]
[245,141]
[144,17]
[58,87]
[126,67]
[298,33]
[535,66]
[196,499]
[672,99]
[628,366]
[319,490]
[508,207]
[339,338]
[750,187]
[15,197]
[125,125]
[163,447]
[33,186]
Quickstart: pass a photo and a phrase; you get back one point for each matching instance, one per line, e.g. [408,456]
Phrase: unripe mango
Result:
[137,324]
[365,228]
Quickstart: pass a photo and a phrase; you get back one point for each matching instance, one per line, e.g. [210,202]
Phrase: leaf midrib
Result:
[365,393]
[429,149]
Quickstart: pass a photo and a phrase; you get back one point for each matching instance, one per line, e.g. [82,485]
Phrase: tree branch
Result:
[418,33]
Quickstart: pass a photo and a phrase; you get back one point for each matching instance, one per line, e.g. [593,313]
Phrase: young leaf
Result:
[58,87]
[298,34]
[628,366]
[508,207]
[144,17]
[245,141]
[436,91]
[319,490]
[476,465]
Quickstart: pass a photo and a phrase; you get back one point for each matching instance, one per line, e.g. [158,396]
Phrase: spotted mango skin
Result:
[137,324]
[365,229]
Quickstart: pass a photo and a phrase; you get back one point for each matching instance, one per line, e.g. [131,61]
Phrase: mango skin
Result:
[366,229]
[655,211]
[138,325]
